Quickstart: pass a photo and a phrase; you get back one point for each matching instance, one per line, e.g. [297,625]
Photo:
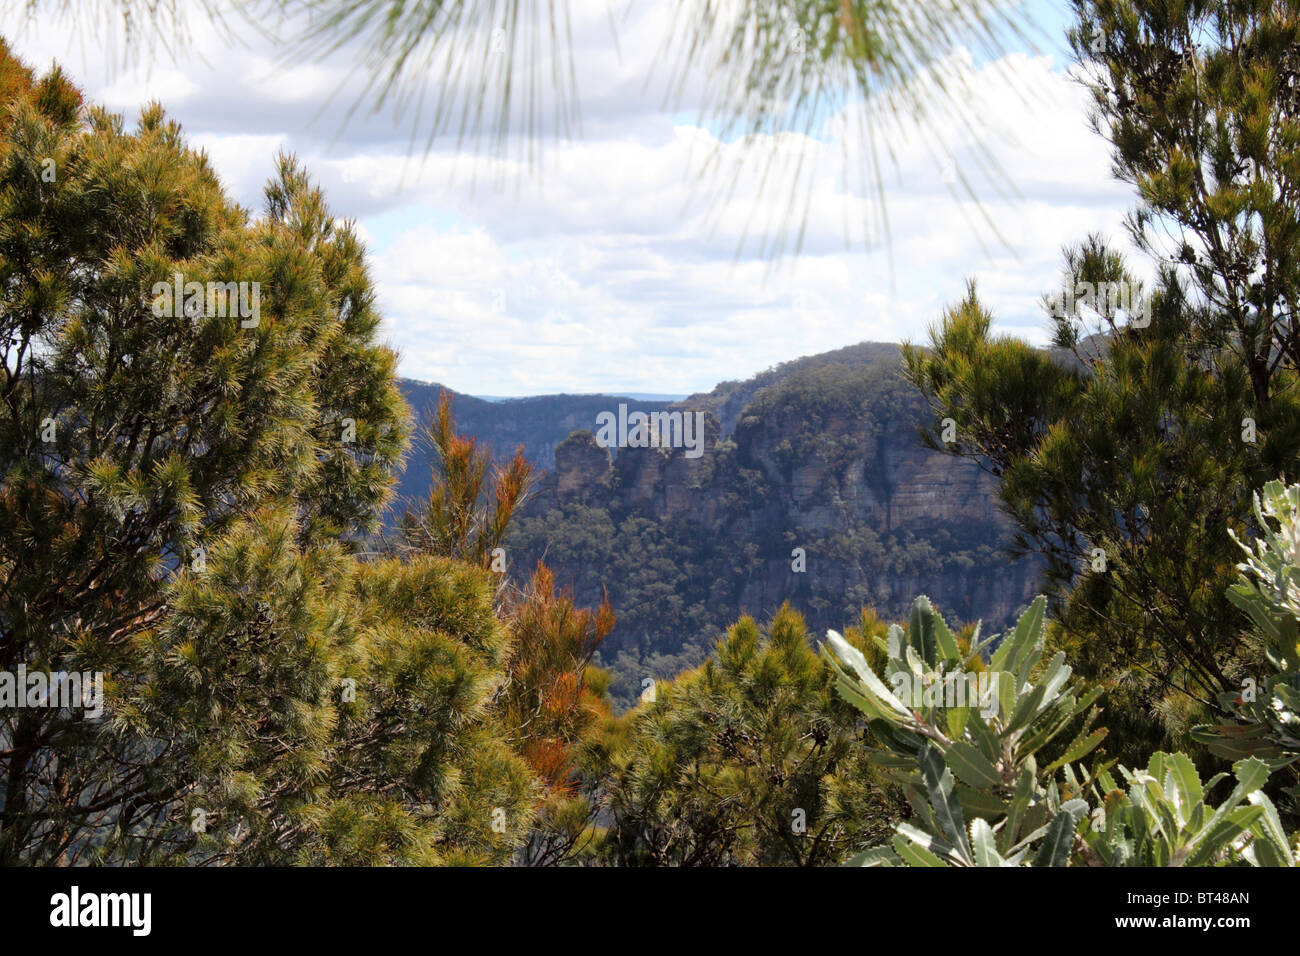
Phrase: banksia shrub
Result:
[971,764]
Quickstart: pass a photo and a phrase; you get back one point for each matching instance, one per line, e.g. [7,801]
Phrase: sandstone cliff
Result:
[824,458]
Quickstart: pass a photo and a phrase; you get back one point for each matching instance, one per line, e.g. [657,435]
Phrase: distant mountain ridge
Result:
[538,423]
[639,396]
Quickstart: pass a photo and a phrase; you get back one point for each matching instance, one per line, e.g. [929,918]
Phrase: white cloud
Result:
[608,270]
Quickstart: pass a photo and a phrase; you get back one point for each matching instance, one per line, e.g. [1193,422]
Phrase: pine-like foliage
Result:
[553,701]
[180,490]
[552,696]
[750,759]
[1126,457]
[470,501]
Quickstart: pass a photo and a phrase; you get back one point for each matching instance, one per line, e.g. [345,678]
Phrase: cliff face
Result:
[886,487]
[538,423]
[583,468]
[890,484]
[813,488]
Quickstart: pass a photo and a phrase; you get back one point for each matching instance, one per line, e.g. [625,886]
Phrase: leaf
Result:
[1251,774]
[854,659]
[928,840]
[946,643]
[1078,749]
[988,743]
[920,631]
[981,803]
[1218,835]
[914,855]
[947,810]
[1180,767]
[1270,833]
[1028,632]
[972,767]
[1016,811]
[983,844]
[1058,672]
[957,718]
[1006,688]
[848,689]
[1236,741]
[1026,709]
[1056,846]
[874,856]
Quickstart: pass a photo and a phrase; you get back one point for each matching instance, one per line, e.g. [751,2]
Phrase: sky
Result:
[606,265]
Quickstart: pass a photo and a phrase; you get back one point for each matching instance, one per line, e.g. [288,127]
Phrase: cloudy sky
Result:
[605,266]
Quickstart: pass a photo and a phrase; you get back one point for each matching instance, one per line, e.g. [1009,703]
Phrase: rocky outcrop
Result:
[583,468]
[830,463]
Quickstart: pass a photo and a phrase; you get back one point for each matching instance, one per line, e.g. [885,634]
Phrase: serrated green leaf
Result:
[874,856]
[944,641]
[1269,832]
[947,810]
[890,705]
[1216,837]
[914,855]
[1057,843]
[983,844]
[1028,631]
[920,631]
[981,803]
[1180,767]
[1077,750]
[970,766]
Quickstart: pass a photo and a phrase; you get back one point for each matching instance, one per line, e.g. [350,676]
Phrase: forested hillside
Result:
[820,454]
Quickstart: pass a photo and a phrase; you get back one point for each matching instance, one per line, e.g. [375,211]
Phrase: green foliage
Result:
[424,733]
[978,793]
[343,717]
[818,453]
[180,493]
[961,759]
[1138,440]
[749,759]
[549,697]
[1268,590]
[465,516]
[238,685]
[1164,820]
[1121,469]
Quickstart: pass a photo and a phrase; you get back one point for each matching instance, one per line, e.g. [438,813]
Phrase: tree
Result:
[552,702]
[465,516]
[551,696]
[170,458]
[1126,457]
[749,759]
